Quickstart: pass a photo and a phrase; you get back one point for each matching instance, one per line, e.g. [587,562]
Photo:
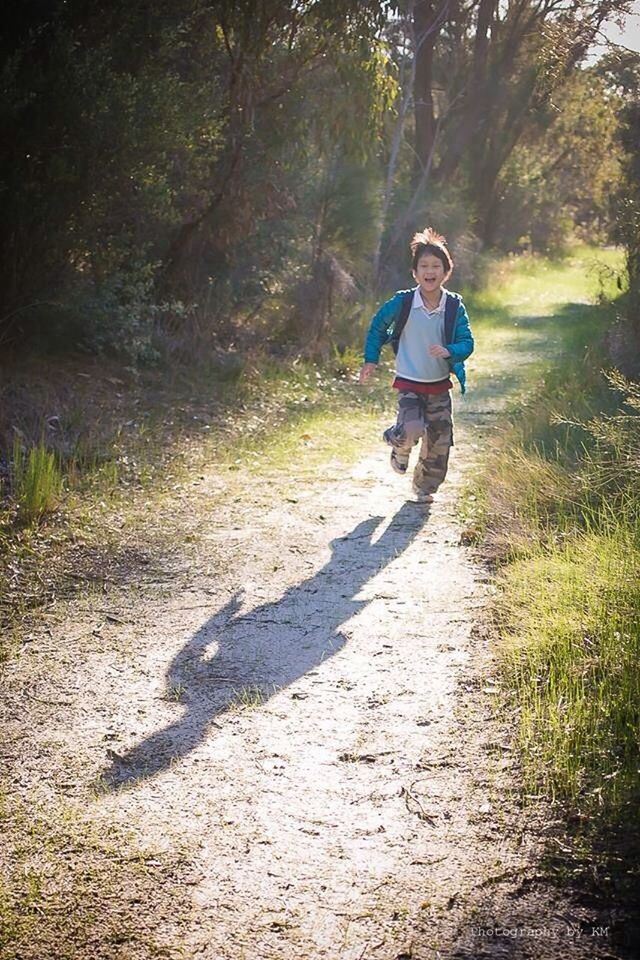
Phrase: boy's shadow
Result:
[256,654]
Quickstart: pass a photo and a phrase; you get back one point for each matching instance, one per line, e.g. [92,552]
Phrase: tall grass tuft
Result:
[35,481]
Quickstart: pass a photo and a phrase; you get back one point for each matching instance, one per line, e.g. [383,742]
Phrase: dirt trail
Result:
[294,715]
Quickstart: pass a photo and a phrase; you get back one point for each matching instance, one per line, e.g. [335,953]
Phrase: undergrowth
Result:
[100,450]
[56,905]
[557,505]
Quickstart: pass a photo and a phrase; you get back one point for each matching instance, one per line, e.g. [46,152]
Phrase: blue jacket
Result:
[382,326]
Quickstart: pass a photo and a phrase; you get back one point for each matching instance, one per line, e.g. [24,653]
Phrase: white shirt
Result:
[418,303]
[423,328]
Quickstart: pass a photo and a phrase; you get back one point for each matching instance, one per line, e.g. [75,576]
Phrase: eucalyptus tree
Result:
[483,75]
[148,146]
[266,52]
[621,72]
[521,53]
[110,122]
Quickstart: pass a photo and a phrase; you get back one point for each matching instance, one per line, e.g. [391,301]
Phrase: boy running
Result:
[429,331]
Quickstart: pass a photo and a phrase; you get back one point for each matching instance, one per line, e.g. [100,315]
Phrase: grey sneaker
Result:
[399,463]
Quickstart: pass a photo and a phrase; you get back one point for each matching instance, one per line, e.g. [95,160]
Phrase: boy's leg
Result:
[409,426]
[433,459]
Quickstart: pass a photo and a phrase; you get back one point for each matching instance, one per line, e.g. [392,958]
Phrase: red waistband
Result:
[438,386]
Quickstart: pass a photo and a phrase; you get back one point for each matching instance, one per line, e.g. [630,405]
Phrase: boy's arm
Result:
[462,346]
[377,334]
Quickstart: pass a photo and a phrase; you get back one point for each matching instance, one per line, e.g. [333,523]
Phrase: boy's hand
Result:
[436,350]
[365,371]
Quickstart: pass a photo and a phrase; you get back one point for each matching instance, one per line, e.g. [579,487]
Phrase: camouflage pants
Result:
[424,418]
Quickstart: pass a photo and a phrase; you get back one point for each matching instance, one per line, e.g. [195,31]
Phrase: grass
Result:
[248,697]
[69,884]
[147,439]
[572,657]
[35,481]
[538,286]
[176,692]
[320,413]
[557,505]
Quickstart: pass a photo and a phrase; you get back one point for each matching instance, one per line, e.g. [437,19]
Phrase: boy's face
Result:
[429,273]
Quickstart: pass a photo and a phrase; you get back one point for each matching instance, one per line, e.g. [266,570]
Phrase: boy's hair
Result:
[428,241]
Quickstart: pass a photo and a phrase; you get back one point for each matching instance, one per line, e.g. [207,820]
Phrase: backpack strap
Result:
[401,319]
[450,313]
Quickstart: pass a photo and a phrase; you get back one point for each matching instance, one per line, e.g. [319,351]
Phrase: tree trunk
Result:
[473,115]
[406,85]
[428,17]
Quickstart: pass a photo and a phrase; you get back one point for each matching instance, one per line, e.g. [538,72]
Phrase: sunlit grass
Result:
[309,441]
[64,877]
[249,697]
[538,286]
[557,503]
[572,655]
[35,481]
[301,416]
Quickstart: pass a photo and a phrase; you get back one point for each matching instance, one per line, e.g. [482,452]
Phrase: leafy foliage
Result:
[561,177]
[198,173]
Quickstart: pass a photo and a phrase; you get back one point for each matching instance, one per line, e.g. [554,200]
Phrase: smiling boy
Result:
[429,331]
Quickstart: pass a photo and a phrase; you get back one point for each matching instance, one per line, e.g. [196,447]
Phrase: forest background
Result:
[188,178]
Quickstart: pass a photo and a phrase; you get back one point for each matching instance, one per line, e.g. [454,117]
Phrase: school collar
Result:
[419,302]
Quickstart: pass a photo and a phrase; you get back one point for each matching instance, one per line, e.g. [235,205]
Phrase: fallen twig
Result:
[421,812]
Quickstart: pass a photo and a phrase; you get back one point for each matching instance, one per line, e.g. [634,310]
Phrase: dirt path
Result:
[279,743]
